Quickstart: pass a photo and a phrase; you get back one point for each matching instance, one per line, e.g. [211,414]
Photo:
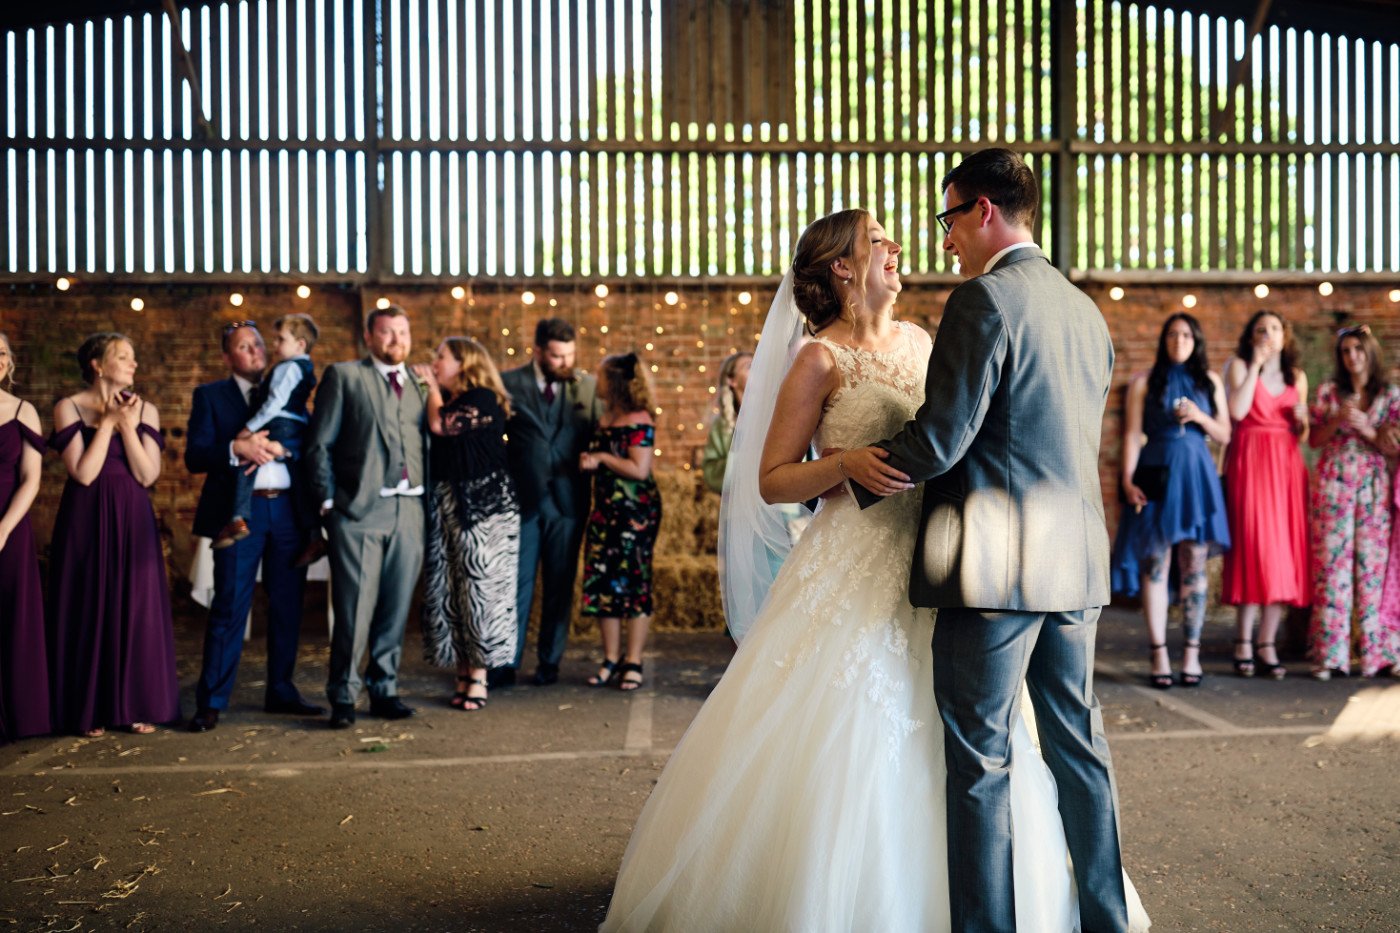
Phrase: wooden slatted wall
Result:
[578,139]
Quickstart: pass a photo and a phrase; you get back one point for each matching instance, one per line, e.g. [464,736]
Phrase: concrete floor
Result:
[1247,804]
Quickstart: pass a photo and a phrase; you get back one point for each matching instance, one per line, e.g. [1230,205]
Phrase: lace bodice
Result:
[879,391]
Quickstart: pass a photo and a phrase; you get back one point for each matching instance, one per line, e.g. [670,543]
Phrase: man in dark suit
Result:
[554,411]
[1013,550]
[367,457]
[219,411]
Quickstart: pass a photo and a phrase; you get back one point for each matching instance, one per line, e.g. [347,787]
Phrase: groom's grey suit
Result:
[1013,551]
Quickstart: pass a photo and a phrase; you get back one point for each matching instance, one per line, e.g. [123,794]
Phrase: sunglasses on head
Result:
[230,328]
[1356,330]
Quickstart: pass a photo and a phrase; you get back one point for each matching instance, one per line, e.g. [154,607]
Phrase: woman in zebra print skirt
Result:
[469,619]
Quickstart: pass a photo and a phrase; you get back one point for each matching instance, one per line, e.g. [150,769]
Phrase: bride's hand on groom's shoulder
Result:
[867,466]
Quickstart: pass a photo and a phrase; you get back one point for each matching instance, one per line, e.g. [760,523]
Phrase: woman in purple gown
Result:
[112,644]
[24,669]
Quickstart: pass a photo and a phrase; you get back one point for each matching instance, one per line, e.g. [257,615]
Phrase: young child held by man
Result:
[281,411]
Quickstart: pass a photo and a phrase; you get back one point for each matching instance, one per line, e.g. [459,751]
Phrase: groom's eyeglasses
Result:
[945,219]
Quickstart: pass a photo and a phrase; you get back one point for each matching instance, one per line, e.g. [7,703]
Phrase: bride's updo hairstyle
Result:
[841,235]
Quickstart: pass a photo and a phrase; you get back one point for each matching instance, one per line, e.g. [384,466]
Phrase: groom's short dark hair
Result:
[554,328]
[1002,176]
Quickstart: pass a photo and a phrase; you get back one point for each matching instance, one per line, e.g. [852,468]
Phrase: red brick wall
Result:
[176,339]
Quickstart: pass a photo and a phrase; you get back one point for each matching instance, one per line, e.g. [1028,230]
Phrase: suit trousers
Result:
[273,541]
[980,658]
[374,569]
[549,541]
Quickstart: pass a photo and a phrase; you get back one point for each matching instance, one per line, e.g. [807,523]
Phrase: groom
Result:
[1013,550]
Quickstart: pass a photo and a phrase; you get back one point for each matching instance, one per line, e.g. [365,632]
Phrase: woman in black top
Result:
[469,618]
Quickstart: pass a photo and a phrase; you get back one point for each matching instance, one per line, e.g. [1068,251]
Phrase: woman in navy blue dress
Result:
[112,642]
[1172,491]
[24,673]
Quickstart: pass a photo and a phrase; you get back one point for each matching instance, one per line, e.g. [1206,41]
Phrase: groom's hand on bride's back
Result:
[867,466]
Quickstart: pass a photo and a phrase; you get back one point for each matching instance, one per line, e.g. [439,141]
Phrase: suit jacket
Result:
[347,449]
[543,450]
[1007,444]
[217,414]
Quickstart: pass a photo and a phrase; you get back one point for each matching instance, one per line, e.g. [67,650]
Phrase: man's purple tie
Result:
[549,391]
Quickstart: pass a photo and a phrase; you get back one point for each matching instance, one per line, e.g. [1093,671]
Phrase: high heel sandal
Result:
[608,673]
[1276,671]
[629,668]
[1191,680]
[1160,681]
[1244,667]
[468,699]
[459,696]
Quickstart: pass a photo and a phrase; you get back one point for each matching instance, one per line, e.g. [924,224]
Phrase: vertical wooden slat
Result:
[8,209]
[63,114]
[122,213]
[1387,162]
[276,132]
[101,78]
[1139,81]
[43,147]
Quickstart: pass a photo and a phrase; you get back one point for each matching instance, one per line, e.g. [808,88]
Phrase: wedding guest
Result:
[624,521]
[367,456]
[469,620]
[1266,487]
[554,408]
[24,673]
[1172,492]
[112,646]
[215,446]
[1351,516]
[280,402]
[733,379]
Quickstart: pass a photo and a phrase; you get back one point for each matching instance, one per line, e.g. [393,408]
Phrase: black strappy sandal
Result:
[468,699]
[611,666]
[1276,671]
[629,668]
[1160,681]
[1191,680]
[1244,667]
[459,696]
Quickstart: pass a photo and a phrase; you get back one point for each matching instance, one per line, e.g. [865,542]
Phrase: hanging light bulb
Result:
[137,304]
[1324,289]
[1261,290]
[459,292]
[236,300]
[1188,301]
[303,291]
[1116,293]
[62,284]
[382,303]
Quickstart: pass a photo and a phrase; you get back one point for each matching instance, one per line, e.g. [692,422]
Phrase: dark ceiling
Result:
[1369,19]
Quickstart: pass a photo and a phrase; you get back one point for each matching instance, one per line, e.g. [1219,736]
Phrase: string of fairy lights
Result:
[598,319]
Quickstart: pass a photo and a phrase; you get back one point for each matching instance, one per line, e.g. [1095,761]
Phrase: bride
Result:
[808,792]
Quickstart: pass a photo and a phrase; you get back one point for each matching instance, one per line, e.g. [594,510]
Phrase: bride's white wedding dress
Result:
[808,794]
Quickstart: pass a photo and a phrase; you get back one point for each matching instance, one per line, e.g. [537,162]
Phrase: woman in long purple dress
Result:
[24,669]
[112,646]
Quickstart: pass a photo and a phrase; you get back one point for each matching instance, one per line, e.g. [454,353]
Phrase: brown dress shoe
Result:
[231,534]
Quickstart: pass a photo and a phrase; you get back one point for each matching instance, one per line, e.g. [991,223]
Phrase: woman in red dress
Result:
[1266,488]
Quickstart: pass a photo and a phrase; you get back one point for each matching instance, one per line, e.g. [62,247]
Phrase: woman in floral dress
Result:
[1351,518]
[622,526]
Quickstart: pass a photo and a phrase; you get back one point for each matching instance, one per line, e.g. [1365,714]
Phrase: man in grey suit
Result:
[1013,550]
[367,455]
[554,411]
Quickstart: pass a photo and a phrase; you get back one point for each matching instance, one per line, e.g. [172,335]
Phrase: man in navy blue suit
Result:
[219,412]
